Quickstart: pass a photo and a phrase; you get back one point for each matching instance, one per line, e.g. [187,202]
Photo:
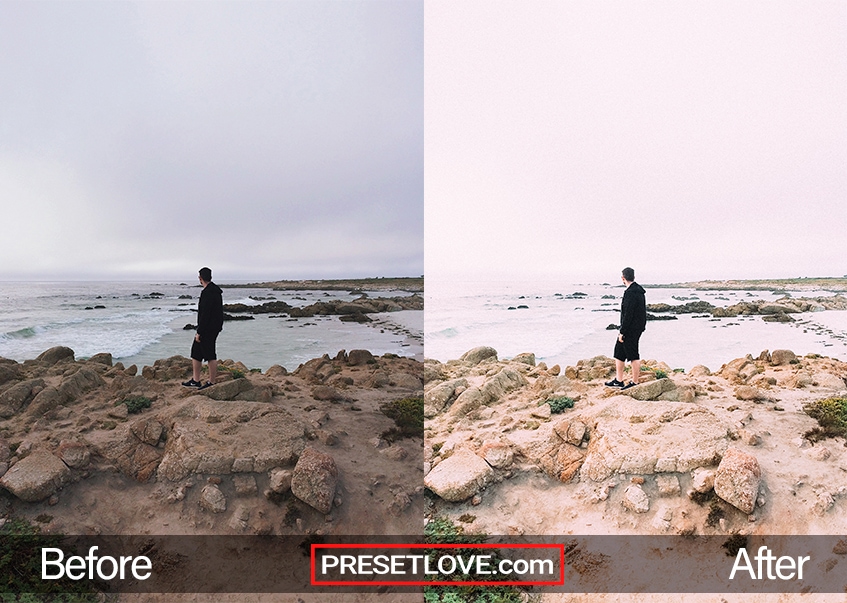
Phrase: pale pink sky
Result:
[690,140]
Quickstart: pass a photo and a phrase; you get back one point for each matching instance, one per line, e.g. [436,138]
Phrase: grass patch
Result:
[408,418]
[20,568]
[236,374]
[135,404]
[443,531]
[660,374]
[831,415]
[559,404]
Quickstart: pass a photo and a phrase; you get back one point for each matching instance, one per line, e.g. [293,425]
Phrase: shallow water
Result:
[559,330]
[136,327]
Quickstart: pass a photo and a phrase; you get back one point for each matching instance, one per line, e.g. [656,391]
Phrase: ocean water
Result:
[560,328]
[140,322]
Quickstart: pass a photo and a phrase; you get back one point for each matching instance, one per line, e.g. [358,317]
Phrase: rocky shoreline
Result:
[775,311]
[515,447]
[833,284]
[94,447]
[347,311]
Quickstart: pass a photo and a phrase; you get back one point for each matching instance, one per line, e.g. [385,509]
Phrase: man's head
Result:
[206,275]
[628,274]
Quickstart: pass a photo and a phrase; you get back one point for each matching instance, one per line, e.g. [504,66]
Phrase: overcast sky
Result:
[687,139]
[268,140]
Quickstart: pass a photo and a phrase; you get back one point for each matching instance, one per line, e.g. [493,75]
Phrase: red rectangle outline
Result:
[560,582]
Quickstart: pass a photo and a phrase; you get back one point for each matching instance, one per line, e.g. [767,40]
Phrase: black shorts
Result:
[628,350]
[205,348]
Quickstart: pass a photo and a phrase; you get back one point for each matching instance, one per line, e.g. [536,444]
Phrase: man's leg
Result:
[213,371]
[619,368]
[197,367]
[636,371]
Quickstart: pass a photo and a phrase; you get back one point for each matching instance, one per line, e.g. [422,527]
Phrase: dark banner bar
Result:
[287,564]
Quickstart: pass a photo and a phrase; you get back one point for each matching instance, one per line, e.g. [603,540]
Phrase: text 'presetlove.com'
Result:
[444,564]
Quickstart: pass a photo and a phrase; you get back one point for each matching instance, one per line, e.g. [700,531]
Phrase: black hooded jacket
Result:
[633,311]
[210,310]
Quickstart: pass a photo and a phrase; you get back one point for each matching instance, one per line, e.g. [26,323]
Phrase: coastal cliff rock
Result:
[730,450]
[777,311]
[36,477]
[459,477]
[110,451]
[666,437]
[360,306]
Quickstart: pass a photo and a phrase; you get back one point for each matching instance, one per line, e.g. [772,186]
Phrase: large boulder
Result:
[80,383]
[629,437]
[459,477]
[73,454]
[203,440]
[406,381]
[357,357]
[438,396]
[132,456]
[468,401]
[15,398]
[779,357]
[314,480]
[507,380]
[56,354]
[36,477]
[477,355]
[102,358]
[558,459]
[164,369]
[238,389]
[737,479]
[497,454]
[9,372]
[46,400]
[650,390]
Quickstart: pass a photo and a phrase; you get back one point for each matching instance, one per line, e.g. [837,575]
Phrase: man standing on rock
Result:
[210,322]
[633,322]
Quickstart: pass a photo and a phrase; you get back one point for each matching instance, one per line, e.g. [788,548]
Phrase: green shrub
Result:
[443,531]
[559,404]
[408,417]
[831,415]
[236,374]
[660,374]
[20,568]
[135,404]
